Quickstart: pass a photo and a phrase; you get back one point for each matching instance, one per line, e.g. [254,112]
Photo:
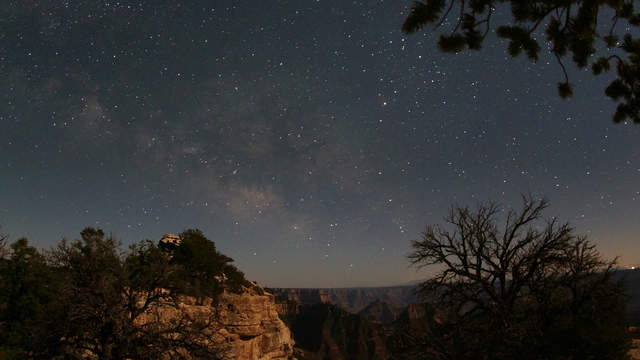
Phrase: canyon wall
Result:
[353,300]
[235,326]
[251,328]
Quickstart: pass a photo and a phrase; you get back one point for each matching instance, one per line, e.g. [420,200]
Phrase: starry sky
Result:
[310,139]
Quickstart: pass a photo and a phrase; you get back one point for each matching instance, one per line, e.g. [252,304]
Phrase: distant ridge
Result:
[351,299]
[355,299]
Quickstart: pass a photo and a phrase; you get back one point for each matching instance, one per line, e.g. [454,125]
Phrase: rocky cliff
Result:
[238,322]
[235,326]
[249,327]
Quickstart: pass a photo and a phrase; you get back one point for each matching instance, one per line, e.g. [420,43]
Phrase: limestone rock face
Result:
[170,239]
[634,353]
[250,328]
[239,326]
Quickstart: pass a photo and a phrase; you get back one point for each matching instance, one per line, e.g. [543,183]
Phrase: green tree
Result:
[29,311]
[88,299]
[572,27]
[119,306]
[92,295]
[204,271]
[524,289]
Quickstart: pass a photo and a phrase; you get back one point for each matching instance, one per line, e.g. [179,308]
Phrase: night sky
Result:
[311,140]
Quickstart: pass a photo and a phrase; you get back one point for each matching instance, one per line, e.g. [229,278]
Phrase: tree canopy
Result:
[29,311]
[88,298]
[520,288]
[589,31]
[203,271]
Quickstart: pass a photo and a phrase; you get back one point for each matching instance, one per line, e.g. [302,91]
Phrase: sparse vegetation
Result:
[520,288]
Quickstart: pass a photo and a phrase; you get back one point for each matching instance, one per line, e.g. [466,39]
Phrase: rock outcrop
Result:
[236,326]
[170,240]
[250,327]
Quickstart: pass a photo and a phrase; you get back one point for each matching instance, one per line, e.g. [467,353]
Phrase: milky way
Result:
[311,140]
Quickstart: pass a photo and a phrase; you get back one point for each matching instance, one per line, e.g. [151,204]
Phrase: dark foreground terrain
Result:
[381,322]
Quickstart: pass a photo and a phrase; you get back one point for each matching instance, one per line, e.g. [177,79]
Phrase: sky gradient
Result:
[311,140]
